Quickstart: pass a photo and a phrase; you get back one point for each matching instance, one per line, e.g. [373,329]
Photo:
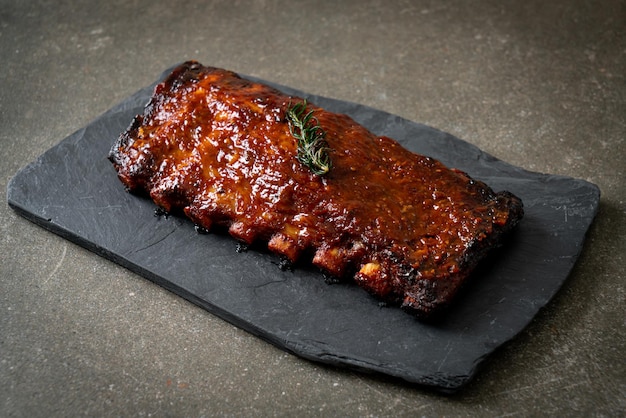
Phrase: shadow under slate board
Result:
[73,190]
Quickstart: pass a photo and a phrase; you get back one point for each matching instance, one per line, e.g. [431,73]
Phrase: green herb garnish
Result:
[312,146]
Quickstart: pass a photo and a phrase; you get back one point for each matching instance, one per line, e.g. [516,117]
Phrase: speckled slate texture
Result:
[73,191]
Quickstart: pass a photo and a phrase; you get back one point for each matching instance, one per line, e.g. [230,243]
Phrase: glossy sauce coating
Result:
[218,147]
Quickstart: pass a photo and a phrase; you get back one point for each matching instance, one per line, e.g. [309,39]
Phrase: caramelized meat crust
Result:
[218,147]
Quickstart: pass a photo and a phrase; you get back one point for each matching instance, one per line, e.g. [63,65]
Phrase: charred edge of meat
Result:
[436,296]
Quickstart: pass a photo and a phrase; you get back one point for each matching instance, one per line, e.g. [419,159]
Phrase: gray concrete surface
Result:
[538,84]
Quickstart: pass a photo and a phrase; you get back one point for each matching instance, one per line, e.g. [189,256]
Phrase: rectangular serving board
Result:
[72,190]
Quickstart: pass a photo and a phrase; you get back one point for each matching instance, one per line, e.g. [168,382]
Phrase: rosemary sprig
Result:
[312,146]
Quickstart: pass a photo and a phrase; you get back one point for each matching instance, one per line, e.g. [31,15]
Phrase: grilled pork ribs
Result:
[222,149]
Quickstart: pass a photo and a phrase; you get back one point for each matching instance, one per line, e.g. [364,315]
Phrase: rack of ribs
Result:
[220,149]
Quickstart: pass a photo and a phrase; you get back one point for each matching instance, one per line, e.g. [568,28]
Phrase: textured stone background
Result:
[538,84]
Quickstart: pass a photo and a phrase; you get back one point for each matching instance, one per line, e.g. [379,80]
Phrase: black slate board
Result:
[73,191]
